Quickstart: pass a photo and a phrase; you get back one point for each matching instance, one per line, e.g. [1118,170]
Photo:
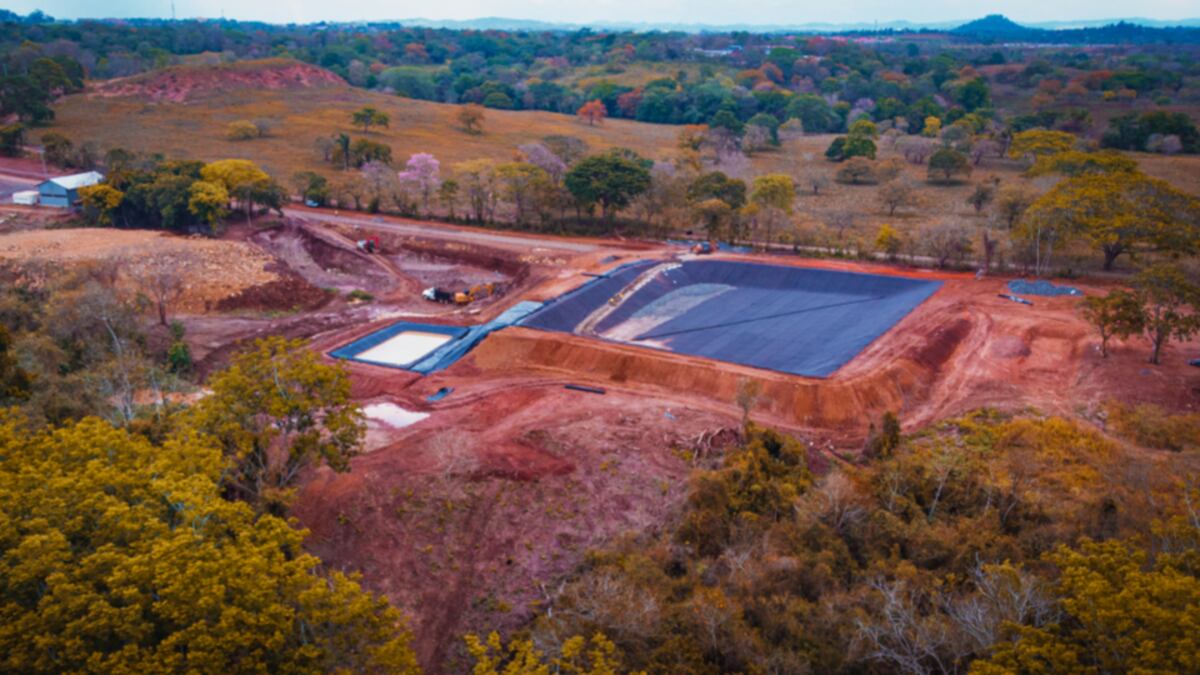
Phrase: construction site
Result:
[529,398]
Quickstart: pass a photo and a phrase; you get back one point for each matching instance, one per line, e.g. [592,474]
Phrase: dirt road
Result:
[438,231]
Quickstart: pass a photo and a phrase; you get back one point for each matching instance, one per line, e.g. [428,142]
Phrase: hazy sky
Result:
[663,11]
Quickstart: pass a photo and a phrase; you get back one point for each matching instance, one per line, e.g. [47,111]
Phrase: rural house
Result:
[63,191]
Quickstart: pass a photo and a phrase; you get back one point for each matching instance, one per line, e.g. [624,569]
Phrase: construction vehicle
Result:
[463,297]
[368,245]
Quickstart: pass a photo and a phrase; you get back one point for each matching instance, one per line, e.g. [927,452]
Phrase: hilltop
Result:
[186,82]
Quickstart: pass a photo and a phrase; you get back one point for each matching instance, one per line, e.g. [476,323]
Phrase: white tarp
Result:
[404,348]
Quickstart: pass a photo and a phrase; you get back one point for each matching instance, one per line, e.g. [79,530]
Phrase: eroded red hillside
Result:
[181,83]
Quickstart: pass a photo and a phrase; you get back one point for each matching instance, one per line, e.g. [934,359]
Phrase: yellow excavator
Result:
[477,292]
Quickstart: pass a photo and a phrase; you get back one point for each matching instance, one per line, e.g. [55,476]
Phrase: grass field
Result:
[196,129]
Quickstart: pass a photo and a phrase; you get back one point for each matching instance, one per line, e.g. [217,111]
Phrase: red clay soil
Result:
[471,518]
[180,83]
[963,348]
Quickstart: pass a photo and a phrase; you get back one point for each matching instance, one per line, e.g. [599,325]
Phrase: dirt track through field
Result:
[423,231]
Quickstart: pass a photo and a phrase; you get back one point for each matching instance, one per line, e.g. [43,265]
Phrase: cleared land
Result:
[468,510]
[210,271]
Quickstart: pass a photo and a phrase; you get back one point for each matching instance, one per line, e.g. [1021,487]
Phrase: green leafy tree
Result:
[716,185]
[946,164]
[368,117]
[12,140]
[610,180]
[118,555]
[1169,306]
[276,411]
[1116,314]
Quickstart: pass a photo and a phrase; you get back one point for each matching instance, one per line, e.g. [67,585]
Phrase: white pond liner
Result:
[404,348]
[393,415]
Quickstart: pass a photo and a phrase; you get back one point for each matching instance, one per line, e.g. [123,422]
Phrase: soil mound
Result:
[178,84]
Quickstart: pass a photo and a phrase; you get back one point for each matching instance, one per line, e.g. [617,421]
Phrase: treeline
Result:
[988,544]
[825,82]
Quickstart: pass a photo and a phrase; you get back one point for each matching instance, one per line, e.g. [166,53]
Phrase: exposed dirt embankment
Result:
[840,405]
[178,84]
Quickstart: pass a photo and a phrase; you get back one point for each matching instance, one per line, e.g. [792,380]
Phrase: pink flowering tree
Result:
[422,173]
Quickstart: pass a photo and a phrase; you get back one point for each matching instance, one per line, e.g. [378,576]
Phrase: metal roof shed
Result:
[63,191]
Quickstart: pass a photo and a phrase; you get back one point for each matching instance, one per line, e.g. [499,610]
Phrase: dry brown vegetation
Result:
[839,215]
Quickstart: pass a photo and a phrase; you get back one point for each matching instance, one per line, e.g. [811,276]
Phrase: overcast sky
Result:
[661,11]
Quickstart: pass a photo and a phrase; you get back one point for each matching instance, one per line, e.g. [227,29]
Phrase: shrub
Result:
[1150,426]
[241,130]
[856,171]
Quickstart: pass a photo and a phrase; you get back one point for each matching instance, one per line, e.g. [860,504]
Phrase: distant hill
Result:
[994,26]
[997,26]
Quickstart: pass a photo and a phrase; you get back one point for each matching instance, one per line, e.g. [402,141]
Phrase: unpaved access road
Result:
[434,231]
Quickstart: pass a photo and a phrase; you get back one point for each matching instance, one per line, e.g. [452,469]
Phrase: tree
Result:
[521,183]
[716,185]
[1011,203]
[946,243]
[1117,314]
[852,145]
[12,140]
[240,177]
[981,196]
[161,280]
[313,187]
[1121,615]
[888,241]
[895,194]
[101,199]
[610,180]
[856,171]
[1124,212]
[1169,303]
[341,144]
[598,656]
[121,556]
[423,172]
[932,127]
[477,179]
[57,149]
[946,163]
[208,201]
[716,215]
[1075,163]
[368,117]
[16,383]
[774,195]
[471,116]
[1035,143]
[276,411]
[592,112]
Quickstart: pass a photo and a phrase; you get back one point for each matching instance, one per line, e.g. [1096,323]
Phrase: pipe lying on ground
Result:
[589,390]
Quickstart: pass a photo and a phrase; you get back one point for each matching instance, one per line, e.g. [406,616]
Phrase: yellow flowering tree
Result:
[276,411]
[121,556]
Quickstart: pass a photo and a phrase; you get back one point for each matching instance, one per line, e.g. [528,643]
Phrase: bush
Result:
[856,171]
[359,295]
[1150,426]
[241,130]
